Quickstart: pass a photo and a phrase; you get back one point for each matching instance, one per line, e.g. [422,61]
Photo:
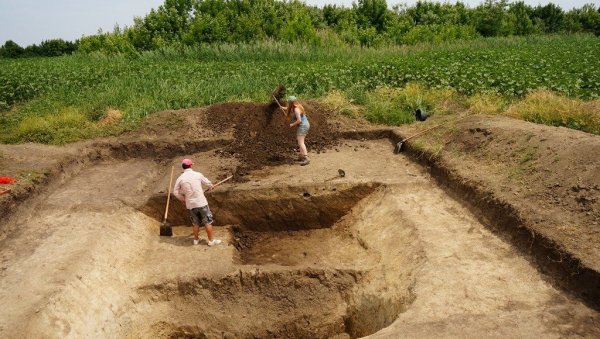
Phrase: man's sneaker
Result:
[305,161]
[214,242]
[196,241]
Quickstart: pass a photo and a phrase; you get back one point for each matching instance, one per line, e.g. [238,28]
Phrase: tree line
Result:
[366,23]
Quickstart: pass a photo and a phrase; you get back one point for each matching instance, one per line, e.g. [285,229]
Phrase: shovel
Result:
[341,174]
[399,145]
[165,228]
[277,93]
[277,101]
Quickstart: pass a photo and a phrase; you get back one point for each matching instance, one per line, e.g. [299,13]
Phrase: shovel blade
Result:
[279,92]
[166,230]
[398,148]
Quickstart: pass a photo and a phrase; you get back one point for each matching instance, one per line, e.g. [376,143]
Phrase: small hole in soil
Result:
[306,195]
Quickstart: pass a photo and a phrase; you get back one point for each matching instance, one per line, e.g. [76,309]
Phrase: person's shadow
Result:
[184,240]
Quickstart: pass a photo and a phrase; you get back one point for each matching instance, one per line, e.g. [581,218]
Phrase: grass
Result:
[65,126]
[396,106]
[26,178]
[527,155]
[545,107]
[486,103]
[339,102]
[60,100]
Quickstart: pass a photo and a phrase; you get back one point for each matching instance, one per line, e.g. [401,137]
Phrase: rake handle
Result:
[219,183]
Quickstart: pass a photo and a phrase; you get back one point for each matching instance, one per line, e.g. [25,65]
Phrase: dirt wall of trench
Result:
[535,186]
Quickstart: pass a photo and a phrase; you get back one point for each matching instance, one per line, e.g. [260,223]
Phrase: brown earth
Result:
[261,133]
[550,179]
[485,227]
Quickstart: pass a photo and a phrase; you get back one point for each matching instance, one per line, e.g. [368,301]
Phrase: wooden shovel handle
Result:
[277,101]
[169,190]
[416,135]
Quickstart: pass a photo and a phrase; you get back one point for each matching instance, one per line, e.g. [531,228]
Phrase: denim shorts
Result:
[201,216]
[302,129]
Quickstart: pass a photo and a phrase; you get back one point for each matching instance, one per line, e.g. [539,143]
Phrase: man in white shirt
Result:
[189,189]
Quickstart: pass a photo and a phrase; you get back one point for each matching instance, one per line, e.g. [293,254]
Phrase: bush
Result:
[108,44]
[11,49]
[438,33]
[61,128]
[383,106]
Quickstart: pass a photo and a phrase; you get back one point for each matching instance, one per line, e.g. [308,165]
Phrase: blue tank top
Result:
[303,119]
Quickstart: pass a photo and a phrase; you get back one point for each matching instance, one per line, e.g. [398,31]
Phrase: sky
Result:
[29,22]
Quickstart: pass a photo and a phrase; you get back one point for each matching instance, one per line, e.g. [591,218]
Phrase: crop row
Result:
[568,65]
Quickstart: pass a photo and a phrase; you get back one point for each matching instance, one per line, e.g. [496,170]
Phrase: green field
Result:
[63,99]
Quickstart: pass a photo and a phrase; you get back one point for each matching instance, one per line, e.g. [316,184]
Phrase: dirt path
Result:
[406,260]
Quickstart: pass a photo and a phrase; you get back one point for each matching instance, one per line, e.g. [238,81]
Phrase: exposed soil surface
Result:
[539,186]
[552,172]
[426,243]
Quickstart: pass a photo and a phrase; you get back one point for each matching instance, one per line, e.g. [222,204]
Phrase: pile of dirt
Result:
[262,136]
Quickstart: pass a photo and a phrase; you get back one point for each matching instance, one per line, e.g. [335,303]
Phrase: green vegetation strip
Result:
[58,100]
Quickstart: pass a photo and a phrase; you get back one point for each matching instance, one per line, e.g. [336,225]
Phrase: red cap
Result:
[187,162]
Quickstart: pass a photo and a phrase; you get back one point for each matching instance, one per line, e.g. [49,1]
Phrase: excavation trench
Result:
[285,304]
[288,208]
[304,270]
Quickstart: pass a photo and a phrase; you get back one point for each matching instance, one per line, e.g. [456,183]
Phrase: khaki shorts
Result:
[201,216]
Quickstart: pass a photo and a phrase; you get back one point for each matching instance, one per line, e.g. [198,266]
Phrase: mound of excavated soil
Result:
[262,135]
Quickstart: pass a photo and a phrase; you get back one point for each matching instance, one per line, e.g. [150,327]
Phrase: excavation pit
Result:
[260,304]
[297,248]
[302,267]
[276,209]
